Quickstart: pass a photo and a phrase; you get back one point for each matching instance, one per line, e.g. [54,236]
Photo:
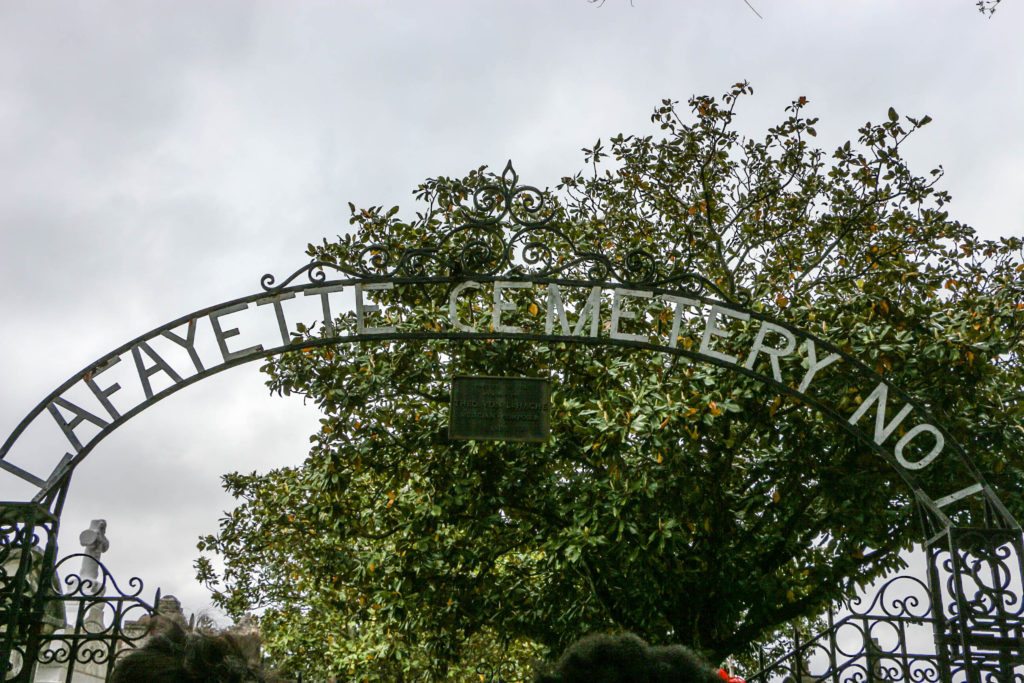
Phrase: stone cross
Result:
[95,543]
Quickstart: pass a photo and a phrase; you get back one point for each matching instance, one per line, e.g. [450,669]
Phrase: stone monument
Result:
[94,543]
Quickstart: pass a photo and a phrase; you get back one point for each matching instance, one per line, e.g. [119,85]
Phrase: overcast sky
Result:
[159,157]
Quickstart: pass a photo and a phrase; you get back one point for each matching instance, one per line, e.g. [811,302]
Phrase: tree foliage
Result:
[678,500]
[988,7]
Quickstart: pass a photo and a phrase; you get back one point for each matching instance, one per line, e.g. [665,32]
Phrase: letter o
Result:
[940,442]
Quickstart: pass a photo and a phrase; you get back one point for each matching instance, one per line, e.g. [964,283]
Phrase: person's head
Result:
[174,656]
[625,658]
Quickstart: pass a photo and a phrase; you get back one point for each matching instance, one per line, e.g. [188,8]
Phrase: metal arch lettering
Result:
[875,422]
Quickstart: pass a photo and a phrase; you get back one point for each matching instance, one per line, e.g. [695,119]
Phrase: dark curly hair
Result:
[175,656]
[626,658]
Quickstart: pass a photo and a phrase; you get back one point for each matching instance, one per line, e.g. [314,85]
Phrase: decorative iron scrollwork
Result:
[901,597]
[980,576]
[966,624]
[314,272]
[523,205]
[506,230]
[103,620]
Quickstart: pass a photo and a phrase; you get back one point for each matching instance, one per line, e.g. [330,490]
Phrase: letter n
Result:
[882,430]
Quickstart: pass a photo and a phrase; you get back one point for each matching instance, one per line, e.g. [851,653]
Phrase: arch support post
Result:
[28,552]
[976,581]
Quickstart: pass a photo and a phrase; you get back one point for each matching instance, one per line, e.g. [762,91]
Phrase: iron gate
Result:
[56,620]
[961,623]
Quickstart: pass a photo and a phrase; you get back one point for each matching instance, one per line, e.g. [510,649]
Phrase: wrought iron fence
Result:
[965,624]
[28,545]
[102,620]
[50,627]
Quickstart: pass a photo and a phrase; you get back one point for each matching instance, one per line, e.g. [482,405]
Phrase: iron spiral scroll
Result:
[981,574]
[505,229]
[865,638]
[102,618]
[966,625]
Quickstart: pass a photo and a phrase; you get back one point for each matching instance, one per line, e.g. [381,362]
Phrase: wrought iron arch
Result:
[67,415]
[508,237]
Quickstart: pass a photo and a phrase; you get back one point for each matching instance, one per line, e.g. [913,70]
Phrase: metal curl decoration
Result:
[376,258]
[93,655]
[979,579]
[314,271]
[640,266]
[523,205]
[14,537]
[59,653]
[599,269]
[485,200]
[414,262]
[535,252]
[478,257]
[532,210]
[949,565]
[902,603]
[924,671]
[102,619]
[505,229]
[536,248]
[888,672]
[81,652]
[84,586]
[78,584]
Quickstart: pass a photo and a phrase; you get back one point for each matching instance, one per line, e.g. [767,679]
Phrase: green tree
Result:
[678,500]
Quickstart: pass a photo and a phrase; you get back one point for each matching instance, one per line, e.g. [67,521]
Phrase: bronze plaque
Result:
[500,409]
